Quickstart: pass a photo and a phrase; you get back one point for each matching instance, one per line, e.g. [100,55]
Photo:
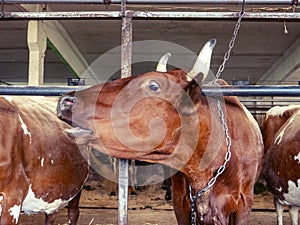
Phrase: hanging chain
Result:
[221,168]
[231,45]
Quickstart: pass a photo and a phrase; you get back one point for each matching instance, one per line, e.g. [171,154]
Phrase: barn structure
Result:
[69,38]
[70,42]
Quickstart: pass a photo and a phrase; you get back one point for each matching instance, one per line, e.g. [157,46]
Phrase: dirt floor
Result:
[148,207]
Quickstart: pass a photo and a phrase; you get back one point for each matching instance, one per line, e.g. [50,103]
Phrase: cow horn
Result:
[202,63]
[162,63]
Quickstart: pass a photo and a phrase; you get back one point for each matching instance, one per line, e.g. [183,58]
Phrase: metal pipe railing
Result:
[147,15]
[251,90]
[264,2]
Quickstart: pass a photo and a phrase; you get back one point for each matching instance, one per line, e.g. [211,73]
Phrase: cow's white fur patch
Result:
[31,204]
[281,134]
[24,126]
[1,199]
[8,98]
[279,110]
[292,197]
[254,123]
[42,162]
[297,157]
[15,212]
[255,126]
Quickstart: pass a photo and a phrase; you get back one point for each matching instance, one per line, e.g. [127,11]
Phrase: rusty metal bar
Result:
[216,15]
[265,2]
[148,15]
[126,55]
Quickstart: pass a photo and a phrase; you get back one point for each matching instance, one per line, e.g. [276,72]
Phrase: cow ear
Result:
[189,98]
[202,64]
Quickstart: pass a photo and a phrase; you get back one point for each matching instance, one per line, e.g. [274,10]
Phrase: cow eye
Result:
[154,86]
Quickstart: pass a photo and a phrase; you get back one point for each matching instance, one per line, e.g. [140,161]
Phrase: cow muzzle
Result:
[66,103]
[65,106]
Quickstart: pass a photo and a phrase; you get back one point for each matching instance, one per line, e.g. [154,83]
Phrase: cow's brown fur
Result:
[37,154]
[281,166]
[192,141]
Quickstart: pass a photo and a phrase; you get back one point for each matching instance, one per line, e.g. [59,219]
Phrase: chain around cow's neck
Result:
[221,169]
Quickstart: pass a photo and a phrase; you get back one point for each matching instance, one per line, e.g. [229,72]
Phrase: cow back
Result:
[282,160]
[45,165]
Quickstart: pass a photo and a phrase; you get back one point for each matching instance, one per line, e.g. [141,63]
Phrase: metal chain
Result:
[230,46]
[221,168]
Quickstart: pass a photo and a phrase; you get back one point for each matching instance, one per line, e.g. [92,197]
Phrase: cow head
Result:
[146,117]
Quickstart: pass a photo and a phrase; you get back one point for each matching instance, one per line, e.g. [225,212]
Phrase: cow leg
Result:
[181,199]
[232,219]
[132,173]
[73,210]
[241,214]
[113,189]
[279,211]
[293,211]
[50,218]
[240,217]
[10,210]
[167,183]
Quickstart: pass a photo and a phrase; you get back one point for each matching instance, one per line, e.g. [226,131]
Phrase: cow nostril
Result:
[67,102]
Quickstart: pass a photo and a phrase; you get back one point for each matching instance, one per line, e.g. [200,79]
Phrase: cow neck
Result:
[220,170]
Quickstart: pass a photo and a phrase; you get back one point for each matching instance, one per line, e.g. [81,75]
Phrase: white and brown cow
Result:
[281,170]
[41,168]
[162,117]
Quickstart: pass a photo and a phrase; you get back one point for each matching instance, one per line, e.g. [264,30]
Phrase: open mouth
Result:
[76,130]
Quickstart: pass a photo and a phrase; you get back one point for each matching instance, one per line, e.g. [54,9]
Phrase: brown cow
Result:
[281,171]
[162,117]
[41,168]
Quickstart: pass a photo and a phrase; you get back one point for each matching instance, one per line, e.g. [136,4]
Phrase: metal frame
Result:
[274,2]
[251,90]
[127,17]
[151,14]
[126,58]
[147,15]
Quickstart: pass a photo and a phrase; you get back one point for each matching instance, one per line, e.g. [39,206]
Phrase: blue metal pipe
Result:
[251,90]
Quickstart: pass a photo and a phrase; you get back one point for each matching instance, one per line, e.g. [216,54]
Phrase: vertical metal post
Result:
[126,52]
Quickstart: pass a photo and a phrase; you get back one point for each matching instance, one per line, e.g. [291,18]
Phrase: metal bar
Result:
[37,90]
[61,15]
[123,192]
[251,90]
[274,2]
[216,15]
[126,55]
[249,101]
[147,15]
